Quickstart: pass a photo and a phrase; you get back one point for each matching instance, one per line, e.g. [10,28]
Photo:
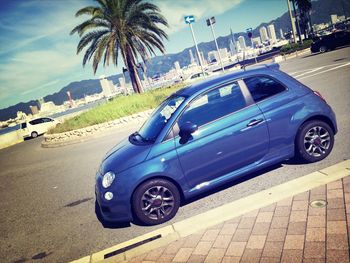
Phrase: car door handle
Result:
[254,122]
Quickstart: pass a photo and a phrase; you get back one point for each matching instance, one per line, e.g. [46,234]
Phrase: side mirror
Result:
[187,129]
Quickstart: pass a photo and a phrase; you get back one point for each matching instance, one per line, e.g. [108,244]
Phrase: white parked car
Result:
[196,77]
[37,126]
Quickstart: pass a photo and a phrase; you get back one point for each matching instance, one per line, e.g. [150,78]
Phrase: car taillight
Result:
[319,94]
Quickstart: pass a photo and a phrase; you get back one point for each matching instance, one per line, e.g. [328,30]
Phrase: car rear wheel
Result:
[155,201]
[323,49]
[315,141]
[34,134]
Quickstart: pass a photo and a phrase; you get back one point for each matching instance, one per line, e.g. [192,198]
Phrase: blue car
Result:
[208,134]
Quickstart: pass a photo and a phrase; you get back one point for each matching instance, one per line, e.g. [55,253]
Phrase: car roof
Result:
[213,81]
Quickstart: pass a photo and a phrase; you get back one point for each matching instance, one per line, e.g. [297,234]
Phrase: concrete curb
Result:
[84,134]
[220,214]
[97,135]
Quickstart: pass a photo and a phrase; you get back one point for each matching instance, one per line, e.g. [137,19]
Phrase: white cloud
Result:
[40,56]
[175,11]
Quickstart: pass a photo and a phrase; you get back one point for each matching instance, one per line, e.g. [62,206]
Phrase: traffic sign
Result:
[211,21]
[189,19]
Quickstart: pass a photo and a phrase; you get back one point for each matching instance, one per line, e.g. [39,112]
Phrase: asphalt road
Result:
[47,195]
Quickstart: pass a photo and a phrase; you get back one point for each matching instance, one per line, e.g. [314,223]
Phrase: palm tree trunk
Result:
[297,21]
[134,77]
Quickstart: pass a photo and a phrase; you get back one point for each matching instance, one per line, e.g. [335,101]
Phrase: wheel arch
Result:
[320,118]
[315,118]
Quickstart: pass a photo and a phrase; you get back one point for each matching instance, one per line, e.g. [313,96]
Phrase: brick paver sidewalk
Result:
[290,230]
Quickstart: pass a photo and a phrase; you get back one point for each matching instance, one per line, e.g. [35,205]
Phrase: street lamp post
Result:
[210,22]
[189,20]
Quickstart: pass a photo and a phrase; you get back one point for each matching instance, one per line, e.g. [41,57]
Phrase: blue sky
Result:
[38,56]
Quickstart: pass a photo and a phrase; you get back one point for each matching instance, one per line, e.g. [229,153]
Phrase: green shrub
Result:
[292,47]
[118,107]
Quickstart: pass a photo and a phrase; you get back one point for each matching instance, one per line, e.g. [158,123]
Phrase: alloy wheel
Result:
[317,141]
[157,202]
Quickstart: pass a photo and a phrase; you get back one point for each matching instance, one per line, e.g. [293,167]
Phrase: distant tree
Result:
[129,28]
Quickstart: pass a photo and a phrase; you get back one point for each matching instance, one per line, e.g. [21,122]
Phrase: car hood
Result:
[124,155]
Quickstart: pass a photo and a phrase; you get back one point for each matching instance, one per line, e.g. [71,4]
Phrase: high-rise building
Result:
[177,66]
[34,110]
[256,41]
[281,33]
[263,34]
[272,33]
[41,101]
[204,62]
[108,88]
[192,57]
[233,48]
[241,41]
[238,46]
[214,55]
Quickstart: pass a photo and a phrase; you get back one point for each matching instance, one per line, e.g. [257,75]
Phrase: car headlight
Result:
[108,179]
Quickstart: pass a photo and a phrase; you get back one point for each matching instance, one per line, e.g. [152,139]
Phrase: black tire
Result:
[314,141]
[34,134]
[323,49]
[150,195]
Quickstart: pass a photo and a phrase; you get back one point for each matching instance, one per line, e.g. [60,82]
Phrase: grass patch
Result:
[118,107]
[290,48]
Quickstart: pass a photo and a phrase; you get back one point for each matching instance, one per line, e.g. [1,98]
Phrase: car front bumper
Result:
[116,210]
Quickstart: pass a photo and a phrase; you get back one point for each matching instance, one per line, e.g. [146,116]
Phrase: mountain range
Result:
[321,11]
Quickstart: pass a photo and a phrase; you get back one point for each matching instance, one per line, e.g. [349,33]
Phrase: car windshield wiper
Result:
[142,138]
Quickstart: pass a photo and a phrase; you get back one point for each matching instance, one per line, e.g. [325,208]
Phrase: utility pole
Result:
[210,22]
[292,22]
[189,20]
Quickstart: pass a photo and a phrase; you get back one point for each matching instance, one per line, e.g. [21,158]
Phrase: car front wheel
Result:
[155,201]
[315,141]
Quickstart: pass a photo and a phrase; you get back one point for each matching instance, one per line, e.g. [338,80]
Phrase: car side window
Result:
[37,121]
[262,87]
[46,120]
[213,105]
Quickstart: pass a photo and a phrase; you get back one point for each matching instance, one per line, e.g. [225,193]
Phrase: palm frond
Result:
[131,28]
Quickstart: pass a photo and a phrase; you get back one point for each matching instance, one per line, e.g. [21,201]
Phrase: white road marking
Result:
[309,71]
[304,70]
[324,71]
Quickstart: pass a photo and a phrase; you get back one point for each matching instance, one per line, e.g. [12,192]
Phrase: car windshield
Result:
[161,115]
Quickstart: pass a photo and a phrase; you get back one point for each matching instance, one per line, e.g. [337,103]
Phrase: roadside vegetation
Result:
[128,29]
[290,48]
[118,107]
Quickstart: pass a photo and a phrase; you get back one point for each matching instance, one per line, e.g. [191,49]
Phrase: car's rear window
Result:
[23,125]
[262,87]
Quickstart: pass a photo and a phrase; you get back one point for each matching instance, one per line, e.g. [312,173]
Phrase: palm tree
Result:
[296,20]
[304,7]
[129,28]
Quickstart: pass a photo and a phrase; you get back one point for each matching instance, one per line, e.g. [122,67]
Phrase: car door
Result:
[47,124]
[41,126]
[231,134]
[279,106]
